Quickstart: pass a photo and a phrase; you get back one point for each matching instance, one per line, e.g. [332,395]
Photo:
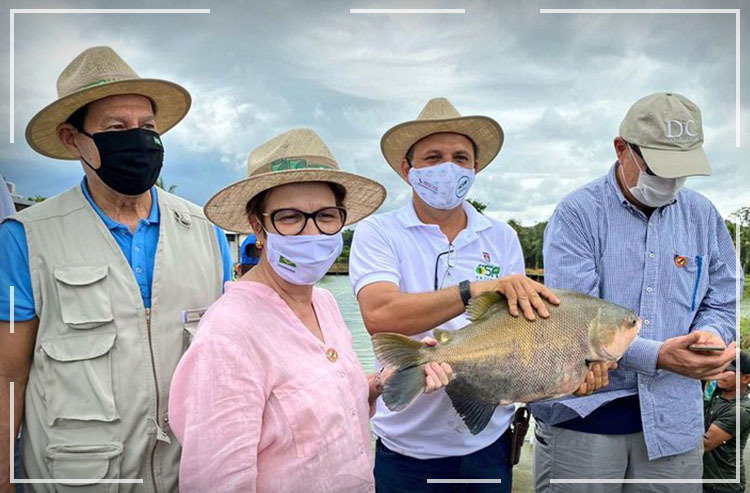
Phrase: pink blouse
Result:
[260,404]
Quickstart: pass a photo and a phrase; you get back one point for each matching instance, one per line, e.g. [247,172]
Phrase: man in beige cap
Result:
[104,305]
[414,270]
[637,238]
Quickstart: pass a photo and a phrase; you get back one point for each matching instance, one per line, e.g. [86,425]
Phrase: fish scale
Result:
[499,359]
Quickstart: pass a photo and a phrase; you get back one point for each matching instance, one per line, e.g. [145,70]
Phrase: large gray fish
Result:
[501,359]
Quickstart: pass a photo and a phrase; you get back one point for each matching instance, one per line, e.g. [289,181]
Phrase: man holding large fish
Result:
[415,269]
[635,237]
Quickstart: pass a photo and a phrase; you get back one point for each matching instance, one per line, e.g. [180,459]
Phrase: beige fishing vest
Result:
[96,401]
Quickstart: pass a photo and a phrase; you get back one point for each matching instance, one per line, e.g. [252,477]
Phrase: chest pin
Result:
[680,261]
[332,354]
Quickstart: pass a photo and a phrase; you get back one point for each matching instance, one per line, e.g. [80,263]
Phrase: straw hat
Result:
[439,115]
[296,156]
[95,74]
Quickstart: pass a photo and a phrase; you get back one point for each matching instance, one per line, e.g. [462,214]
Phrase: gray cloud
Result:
[558,84]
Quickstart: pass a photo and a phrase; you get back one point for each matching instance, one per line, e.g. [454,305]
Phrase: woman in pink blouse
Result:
[270,395]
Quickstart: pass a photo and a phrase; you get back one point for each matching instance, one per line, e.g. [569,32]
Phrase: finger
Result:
[429,341]
[437,372]
[718,376]
[612,365]
[597,377]
[548,294]
[448,370]
[582,390]
[538,304]
[512,298]
[429,384]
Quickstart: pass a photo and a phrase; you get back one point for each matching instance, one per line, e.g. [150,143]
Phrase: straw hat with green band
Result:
[438,116]
[668,129]
[95,74]
[296,156]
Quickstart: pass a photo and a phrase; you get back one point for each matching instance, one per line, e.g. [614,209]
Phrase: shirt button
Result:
[642,386]
[652,255]
[138,270]
[354,412]
[137,249]
[648,289]
[646,322]
[361,450]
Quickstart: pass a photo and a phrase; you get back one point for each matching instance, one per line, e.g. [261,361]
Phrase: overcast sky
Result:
[558,84]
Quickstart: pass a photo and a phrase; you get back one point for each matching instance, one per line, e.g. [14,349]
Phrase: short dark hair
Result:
[78,118]
[410,152]
[257,204]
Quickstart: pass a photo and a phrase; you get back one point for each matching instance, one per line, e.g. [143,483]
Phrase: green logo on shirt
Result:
[487,272]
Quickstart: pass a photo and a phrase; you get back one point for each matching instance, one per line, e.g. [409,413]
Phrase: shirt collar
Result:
[153,217]
[475,221]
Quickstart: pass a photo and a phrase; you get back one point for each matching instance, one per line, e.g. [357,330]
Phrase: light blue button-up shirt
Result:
[598,243]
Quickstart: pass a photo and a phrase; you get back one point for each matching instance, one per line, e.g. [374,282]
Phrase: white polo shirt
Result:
[397,247]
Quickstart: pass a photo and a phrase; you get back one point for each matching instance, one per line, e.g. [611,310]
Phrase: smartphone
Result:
[695,347]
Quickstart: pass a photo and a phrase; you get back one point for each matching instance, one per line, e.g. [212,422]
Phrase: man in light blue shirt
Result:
[637,238]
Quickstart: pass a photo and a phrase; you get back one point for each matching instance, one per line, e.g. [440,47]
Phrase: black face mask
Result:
[130,159]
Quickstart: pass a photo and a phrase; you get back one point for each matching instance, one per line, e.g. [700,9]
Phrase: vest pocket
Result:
[83,293]
[78,378]
[79,466]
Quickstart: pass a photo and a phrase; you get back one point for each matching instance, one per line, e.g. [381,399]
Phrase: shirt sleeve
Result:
[14,271]
[568,252]
[216,409]
[727,420]
[717,310]
[516,264]
[371,257]
[226,254]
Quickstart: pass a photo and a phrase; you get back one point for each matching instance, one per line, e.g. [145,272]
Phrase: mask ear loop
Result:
[630,149]
[82,131]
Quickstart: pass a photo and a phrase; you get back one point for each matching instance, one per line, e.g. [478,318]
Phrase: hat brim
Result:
[485,132]
[676,164]
[226,208]
[171,104]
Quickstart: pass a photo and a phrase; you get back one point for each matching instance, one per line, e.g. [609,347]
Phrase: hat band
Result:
[295,163]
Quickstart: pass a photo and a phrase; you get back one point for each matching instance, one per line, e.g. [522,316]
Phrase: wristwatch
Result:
[464,291]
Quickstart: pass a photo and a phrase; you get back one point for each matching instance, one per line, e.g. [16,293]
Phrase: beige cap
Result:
[296,156]
[439,116]
[668,129]
[97,73]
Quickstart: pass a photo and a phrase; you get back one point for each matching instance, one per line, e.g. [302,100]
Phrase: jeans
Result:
[399,473]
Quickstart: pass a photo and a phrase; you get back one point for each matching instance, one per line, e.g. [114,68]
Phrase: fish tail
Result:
[405,355]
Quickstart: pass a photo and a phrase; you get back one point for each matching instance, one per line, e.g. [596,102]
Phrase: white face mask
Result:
[303,259]
[442,186]
[653,191]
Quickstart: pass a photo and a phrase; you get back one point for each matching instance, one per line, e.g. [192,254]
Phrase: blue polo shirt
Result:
[139,248]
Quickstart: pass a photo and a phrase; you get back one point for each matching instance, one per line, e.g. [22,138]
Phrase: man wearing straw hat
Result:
[104,305]
[415,268]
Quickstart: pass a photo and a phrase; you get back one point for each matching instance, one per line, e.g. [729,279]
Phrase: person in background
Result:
[638,238]
[7,207]
[249,255]
[720,420]
[104,274]
[271,396]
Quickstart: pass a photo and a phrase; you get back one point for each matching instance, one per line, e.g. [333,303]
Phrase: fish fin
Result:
[442,336]
[404,355]
[475,413]
[479,305]
[403,388]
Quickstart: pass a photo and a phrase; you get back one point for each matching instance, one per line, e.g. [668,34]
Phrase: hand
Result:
[596,378]
[520,291]
[675,356]
[437,375]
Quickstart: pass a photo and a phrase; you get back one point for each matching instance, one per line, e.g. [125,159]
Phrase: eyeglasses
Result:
[291,222]
[450,262]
